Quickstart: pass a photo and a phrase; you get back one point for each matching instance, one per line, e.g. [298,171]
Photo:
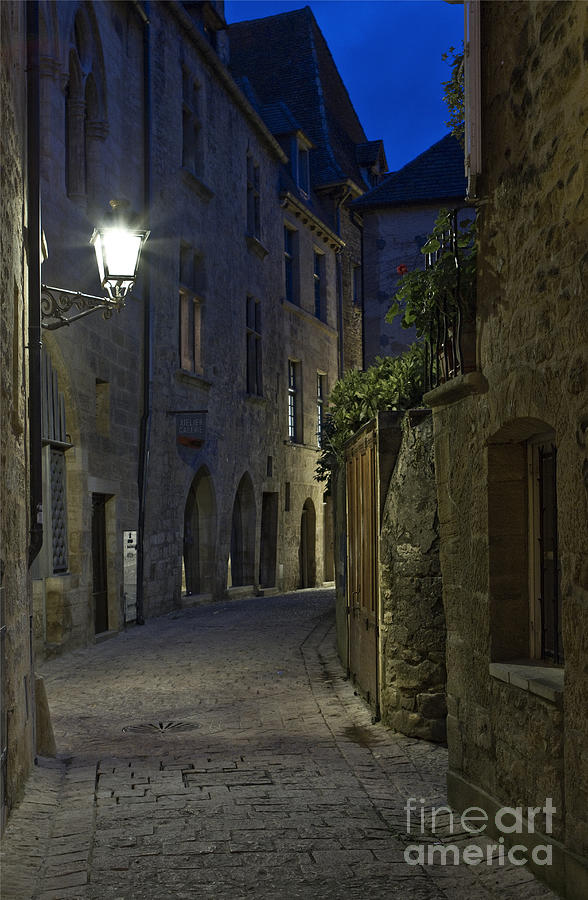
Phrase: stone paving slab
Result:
[219,752]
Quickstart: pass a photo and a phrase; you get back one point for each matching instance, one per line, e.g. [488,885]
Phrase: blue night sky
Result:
[388,53]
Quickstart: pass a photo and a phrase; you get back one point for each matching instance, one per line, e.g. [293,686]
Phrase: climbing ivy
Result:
[453,93]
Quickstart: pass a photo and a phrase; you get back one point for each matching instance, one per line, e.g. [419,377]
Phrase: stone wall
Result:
[16,671]
[413,621]
[518,734]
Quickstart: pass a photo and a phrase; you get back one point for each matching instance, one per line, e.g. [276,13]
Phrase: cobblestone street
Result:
[219,752]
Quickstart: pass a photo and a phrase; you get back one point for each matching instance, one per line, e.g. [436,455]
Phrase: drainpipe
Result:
[33,239]
[145,425]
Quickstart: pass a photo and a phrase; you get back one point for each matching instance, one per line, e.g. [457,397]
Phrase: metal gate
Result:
[362,553]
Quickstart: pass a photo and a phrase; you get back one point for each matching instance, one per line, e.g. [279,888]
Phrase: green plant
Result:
[393,382]
[453,93]
[446,284]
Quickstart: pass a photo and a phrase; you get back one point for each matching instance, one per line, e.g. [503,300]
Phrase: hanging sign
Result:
[191,428]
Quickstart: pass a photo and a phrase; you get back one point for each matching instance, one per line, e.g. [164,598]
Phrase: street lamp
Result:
[118,242]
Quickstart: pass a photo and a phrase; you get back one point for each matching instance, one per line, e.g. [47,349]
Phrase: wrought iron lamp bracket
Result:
[56,302]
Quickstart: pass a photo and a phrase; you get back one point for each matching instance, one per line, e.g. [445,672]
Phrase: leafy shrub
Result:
[393,382]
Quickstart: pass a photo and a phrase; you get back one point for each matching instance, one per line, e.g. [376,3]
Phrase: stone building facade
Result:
[511,445]
[180,465]
[16,665]
[397,216]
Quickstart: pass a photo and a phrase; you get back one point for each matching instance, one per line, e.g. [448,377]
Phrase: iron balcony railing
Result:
[450,347]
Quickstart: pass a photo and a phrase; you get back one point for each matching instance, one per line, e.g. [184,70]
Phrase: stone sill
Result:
[255,245]
[256,399]
[192,378]
[302,446]
[544,681]
[204,192]
[456,389]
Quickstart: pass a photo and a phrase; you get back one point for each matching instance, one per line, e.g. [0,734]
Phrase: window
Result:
[319,285]
[294,411]
[357,285]
[192,284]
[299,164]
[190,333]
[56,442]
[320,397]
[545,600]
[253,202]
[303,173]
[525,601]
[290,264]
[254,379]
[85,115]
[191,125]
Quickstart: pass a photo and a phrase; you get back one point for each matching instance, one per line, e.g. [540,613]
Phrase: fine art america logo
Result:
[473,821]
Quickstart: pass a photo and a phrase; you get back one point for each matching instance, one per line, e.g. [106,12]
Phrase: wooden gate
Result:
[362,553]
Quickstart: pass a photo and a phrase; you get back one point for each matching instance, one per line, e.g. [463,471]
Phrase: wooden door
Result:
[362,584]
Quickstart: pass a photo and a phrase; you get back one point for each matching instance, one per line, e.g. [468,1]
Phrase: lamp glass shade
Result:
[117,254]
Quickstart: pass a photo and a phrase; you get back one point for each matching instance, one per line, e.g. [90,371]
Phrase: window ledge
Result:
[544,681]
[255,398]
[456,389]
[255,245]
[302,446]
[203,191]
[192,378]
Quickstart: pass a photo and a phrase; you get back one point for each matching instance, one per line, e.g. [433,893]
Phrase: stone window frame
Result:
[86,126]
[295,429]
[513,532]
[291,265]
[321,385]
[191,306]
[319,268]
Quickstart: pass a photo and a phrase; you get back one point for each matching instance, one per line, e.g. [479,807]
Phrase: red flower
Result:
[402,269]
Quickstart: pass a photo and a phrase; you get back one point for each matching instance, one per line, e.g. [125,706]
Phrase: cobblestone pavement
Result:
[219,752]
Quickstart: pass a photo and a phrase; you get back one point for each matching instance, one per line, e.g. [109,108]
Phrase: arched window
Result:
[85,111]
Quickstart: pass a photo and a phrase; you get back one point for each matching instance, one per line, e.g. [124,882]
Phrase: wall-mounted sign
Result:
[191,428]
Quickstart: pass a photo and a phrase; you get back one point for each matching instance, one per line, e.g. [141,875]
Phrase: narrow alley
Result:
[219,752]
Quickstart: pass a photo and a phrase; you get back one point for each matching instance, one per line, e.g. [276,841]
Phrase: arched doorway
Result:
[200,534]
[242,567]
[306,552]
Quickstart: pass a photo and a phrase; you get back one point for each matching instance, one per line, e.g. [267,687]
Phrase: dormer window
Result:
[299,163]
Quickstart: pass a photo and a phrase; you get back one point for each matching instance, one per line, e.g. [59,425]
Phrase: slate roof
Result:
[368,154]
[435,175]
[286,58]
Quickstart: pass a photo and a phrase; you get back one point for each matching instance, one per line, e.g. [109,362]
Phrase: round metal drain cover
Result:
[161,728]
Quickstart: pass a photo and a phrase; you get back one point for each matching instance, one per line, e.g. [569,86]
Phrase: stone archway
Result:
[242,571]
[307,547]
[200,534]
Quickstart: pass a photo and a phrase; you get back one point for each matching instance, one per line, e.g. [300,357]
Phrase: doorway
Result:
[306,552]
[269,539]
[200,534]
[99,563]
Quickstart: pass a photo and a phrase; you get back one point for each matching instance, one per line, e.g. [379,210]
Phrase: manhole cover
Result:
[161,728]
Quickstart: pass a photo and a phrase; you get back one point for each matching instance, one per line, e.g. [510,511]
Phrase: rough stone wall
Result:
[532,346]
[16,674]
[92,352]
[413,621]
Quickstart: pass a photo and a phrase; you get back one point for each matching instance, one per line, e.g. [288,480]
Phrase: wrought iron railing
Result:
[450,344]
